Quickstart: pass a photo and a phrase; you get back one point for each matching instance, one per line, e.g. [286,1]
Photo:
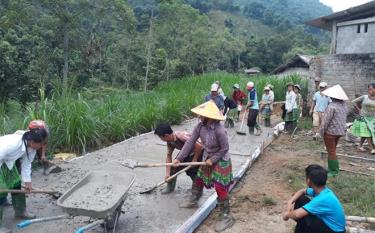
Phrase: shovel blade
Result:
[148,191]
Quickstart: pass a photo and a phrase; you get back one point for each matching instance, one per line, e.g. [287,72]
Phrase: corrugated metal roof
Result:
[358,12]
[304,58]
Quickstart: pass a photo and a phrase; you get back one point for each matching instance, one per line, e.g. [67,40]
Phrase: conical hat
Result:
[209,110]
[336,92]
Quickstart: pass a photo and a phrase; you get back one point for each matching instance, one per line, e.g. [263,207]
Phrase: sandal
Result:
[361,148]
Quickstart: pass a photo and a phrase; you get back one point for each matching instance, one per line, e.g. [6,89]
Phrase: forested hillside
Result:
[136,44]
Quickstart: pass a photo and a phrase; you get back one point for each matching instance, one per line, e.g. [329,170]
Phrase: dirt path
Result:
[258,203]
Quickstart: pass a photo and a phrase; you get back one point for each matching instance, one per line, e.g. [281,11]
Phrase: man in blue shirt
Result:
[214,95]
[322,213]
[318,107]
[253,106]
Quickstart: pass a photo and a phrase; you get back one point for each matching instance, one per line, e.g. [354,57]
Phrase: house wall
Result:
[349,41]
[294,70]
[352,71]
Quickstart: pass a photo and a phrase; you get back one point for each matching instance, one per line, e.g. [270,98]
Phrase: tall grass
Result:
[93,118]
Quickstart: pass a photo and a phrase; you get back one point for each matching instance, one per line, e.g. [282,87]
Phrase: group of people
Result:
[209,142]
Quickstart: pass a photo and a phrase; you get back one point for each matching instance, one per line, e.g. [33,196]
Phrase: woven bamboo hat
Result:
[209,110]
[336,92]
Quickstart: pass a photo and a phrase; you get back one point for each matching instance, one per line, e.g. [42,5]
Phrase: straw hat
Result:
[209,110]
[270,86]
[237,86]
[336,92]
[266,88]
[290,84]
[297,86]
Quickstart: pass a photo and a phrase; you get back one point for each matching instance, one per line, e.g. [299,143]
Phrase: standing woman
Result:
[291,116]
[218,172]
[299,100]
[364,127]
[266,106]
[334,125]
[13,147]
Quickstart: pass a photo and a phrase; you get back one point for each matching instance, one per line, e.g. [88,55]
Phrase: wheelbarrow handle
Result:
[171,164]
[89,226]
[38,220]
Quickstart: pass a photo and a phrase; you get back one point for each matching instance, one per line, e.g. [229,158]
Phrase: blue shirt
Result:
[253,97]
[326,207]
[321,102]
[219,100]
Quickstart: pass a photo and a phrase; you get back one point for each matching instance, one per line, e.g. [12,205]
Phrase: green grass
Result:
[90,119]
[356,193]
[268,201]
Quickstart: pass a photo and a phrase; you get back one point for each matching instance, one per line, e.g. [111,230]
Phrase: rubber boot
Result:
[171,185]
[258,130]
[2,228]
[333,168]
[192,201]
[226,219]
[19,205]
[267,122]
[251,130]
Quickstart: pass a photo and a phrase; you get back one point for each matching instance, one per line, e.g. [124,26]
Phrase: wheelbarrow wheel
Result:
[112,221]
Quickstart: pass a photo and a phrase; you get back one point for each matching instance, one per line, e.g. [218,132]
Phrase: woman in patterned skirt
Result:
[364,126]
[218,172]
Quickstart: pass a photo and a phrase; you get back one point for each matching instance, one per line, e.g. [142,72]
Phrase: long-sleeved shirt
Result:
[334,119]
[12,148]
[238,96]
[218,99]
[214,139]
[290,101]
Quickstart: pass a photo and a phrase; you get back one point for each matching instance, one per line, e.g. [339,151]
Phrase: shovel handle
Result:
[171,164]
[24,191]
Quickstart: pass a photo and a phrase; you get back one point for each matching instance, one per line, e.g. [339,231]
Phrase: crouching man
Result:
[316,209]
[176,140]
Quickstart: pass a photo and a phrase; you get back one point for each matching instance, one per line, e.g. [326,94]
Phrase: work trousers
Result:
[331,142]
[192,172]
[310,223]
[252,118]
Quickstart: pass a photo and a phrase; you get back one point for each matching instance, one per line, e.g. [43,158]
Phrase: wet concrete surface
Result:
[143,212]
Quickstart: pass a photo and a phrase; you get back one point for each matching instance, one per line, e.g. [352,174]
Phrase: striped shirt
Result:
[334,119]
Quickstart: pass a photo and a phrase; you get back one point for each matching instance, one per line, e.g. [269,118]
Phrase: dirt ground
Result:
[258,202]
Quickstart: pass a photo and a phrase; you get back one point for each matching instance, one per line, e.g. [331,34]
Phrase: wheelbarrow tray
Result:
[98,194]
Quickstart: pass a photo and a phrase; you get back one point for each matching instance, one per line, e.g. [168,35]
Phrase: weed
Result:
[268,201]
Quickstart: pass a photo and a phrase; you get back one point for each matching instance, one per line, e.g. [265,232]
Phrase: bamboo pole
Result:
[360,219]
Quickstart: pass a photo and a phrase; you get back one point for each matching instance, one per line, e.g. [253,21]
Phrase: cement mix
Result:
[143,212]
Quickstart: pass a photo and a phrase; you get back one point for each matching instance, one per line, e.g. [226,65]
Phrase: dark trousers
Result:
[192,172]
[252,118]
[310,223]
[229,104]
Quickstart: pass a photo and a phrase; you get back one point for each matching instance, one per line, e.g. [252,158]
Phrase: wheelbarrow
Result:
[99,195]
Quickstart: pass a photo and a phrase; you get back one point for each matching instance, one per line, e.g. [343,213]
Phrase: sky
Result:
[339,5]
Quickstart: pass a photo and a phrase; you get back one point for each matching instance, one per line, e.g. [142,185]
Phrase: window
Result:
[366,27]
[358,28]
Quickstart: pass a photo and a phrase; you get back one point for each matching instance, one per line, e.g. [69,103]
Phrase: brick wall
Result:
[352,71]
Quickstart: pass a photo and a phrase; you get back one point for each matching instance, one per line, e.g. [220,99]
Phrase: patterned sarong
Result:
[9,179]
[220,174]
[293,115]
[364,127]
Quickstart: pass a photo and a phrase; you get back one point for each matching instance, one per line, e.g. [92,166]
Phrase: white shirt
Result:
[221,92]
[290,101]
[272,96]
[12,148]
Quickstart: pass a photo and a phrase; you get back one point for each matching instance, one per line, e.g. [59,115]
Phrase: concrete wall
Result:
[352,71]
[294,70]
[349,41]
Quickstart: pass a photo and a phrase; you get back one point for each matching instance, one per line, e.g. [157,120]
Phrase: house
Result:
[299,64]
[351,62]
[353,30]
[253,71]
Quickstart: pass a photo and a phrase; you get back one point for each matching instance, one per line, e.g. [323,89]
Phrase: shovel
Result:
[49,167]
[240,132]
[134,164]
[55,194]
[165,181]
